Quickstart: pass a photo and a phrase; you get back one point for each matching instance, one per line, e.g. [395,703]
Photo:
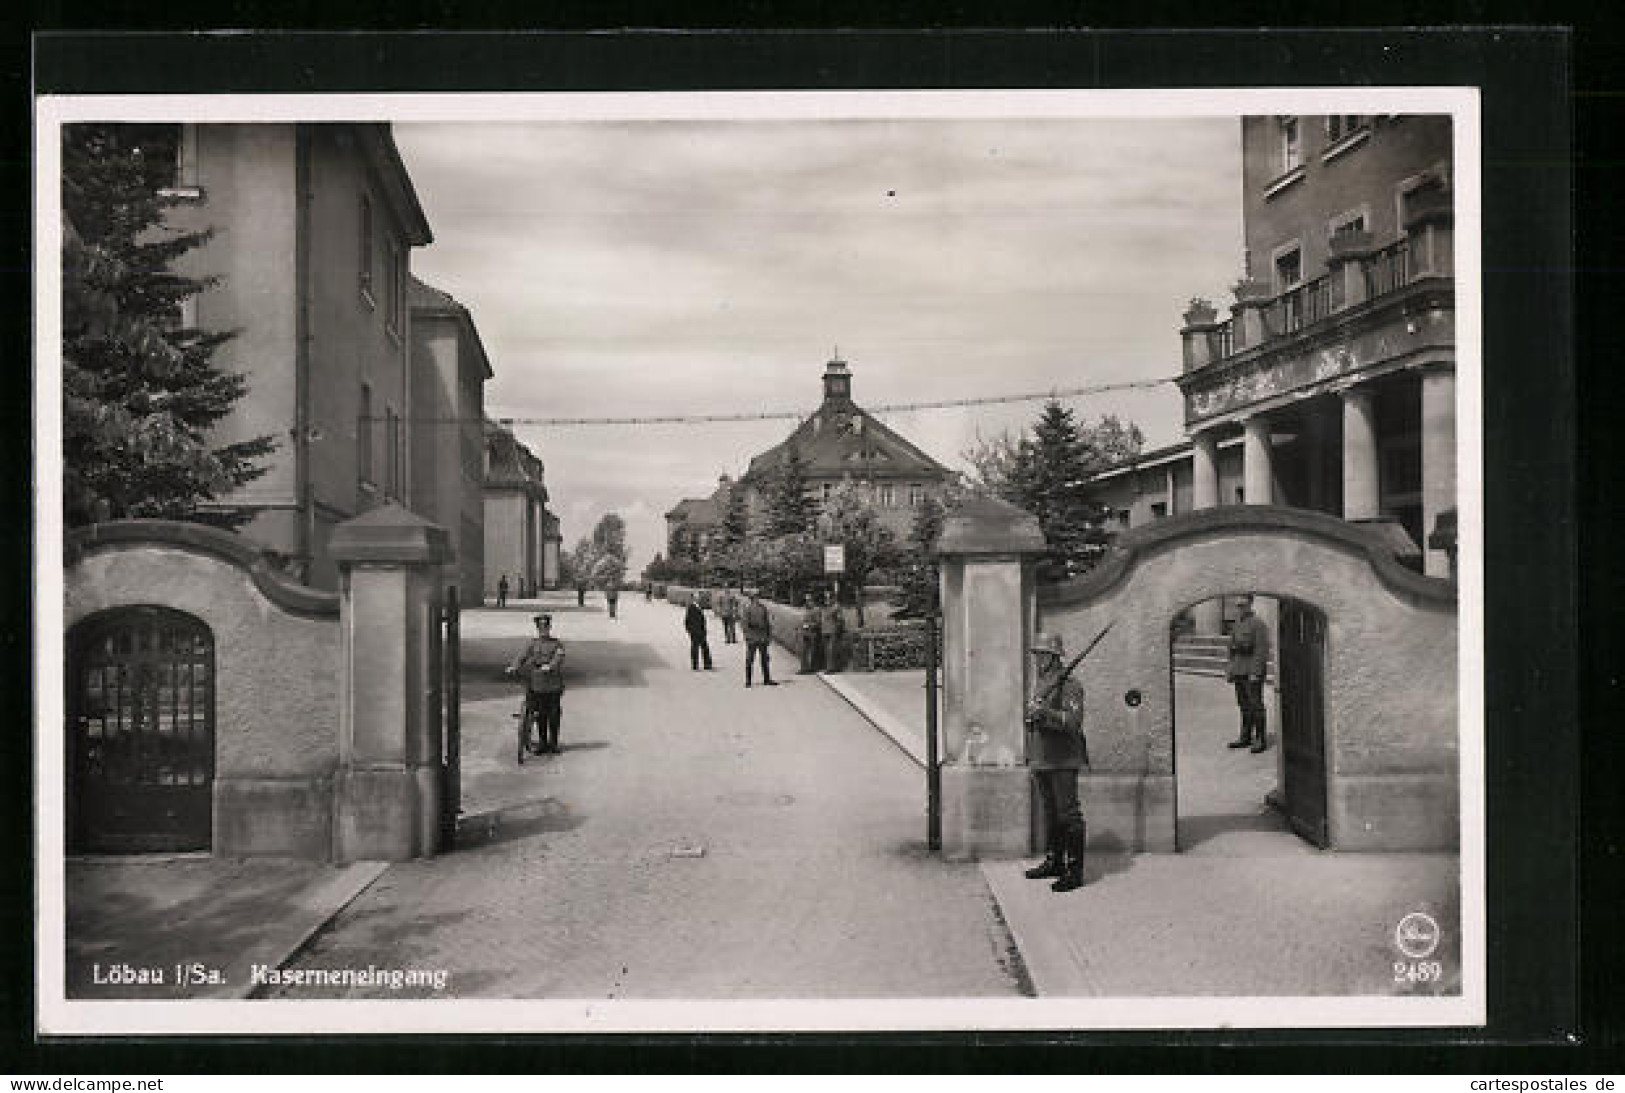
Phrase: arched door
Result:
[140,732]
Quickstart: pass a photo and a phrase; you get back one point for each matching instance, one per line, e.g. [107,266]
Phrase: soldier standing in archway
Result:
[1249,663]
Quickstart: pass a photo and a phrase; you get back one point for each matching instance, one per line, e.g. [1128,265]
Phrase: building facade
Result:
[518,525]
[1331,385]
[449,370]
[842,442]
[313,227]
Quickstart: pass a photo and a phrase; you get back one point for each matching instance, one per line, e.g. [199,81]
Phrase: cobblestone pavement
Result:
[694,839]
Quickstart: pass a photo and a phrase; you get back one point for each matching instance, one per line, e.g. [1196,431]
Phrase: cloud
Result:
[651,268]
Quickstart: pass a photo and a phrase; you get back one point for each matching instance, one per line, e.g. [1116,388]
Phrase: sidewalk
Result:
[1248,909]
[194,926]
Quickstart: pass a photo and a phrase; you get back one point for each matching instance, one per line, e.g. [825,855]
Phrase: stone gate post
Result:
[987,551]
[387,798]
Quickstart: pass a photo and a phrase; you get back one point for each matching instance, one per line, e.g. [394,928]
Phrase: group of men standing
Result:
[822,628]
[757,625]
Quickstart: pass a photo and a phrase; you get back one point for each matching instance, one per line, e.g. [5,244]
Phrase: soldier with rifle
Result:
[1057,751]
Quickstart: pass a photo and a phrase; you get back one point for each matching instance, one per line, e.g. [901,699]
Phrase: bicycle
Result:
[528,717]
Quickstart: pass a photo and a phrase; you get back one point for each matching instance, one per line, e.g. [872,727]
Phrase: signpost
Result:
[834,558]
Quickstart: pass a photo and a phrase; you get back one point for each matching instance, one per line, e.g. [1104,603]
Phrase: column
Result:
[1207,617]
[1438,460]
[986,553]
[1359,455]
[1257,464]
[387,792]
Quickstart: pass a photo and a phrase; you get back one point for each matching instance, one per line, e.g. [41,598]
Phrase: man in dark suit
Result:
[1249,663]
[694,623]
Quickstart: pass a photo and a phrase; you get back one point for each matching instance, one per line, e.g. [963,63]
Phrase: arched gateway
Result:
[1369,675]
[1371,702]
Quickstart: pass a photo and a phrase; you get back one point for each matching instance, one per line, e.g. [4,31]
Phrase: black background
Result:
[1553,1005]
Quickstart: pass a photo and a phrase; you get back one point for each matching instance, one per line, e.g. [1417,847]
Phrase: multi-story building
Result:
[1331,386]
[842,442]
[313,227]
[518,526]
[449,370]
[839,442]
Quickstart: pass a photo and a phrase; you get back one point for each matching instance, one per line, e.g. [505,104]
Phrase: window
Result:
[1342,126]
[916,495]
[1288,269]
[363,435]
[1159,510]
[1348,225]
[393,291]
[365,263]
[1291,153]
[392,467]
[888,495]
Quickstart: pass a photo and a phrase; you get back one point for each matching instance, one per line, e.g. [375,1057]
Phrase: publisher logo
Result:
[1417,935]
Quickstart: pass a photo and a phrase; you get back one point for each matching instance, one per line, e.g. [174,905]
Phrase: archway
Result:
[140,731]
[1236,793]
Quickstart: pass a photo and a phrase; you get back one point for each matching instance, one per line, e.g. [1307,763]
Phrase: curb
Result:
[888,725]
[315,908]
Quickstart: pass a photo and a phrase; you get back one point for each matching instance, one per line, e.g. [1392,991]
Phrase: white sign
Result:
[835,558]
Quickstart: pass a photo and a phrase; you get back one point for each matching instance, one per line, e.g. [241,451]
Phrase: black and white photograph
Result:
[929,560]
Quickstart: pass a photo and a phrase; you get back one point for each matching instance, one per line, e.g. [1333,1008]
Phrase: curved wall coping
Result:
[1260,519]
[203,539]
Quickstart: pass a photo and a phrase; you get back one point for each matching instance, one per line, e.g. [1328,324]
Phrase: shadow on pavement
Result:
[587,664]
[1193,831]
[521,821]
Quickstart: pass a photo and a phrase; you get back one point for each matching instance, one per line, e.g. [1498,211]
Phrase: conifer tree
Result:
[1048,479]
[790,510]
[735,518]
[140,389]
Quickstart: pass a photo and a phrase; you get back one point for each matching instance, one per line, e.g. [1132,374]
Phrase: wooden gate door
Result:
[451,759]
[140,732]
[1303,718]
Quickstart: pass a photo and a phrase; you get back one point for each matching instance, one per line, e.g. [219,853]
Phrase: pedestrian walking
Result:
[758,636]
[1056,753]
[581,592]
[612,596]
[502,591]
[1248,664]
[832,628]
[694,623]
[648,591]
[542,666]
[726,606]
[811,642]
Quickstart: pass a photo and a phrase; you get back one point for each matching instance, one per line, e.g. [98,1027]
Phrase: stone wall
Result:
[1390,670]
[277,658]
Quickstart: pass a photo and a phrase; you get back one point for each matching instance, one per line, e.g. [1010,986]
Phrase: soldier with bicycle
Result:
[542,666]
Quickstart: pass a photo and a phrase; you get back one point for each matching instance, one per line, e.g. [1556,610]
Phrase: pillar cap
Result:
[987,525]
[389,533]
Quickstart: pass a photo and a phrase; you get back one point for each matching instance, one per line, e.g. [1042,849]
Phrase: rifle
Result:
[1060,681]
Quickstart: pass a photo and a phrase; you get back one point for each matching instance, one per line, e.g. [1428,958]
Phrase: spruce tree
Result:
[1049,479]
[735,518]
[790,510]
[140,390]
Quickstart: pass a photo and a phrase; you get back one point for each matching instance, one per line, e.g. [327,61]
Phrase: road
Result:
[694,839]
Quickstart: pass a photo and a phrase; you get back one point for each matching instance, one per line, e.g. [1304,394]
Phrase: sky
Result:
[635,268]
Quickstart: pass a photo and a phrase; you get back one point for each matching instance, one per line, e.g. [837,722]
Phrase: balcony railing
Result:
[1388,269]
[1302,306]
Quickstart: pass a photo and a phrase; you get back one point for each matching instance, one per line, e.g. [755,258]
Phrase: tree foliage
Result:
[790,511]
[608,551]
[140,390]
[1046,470]
[735,517]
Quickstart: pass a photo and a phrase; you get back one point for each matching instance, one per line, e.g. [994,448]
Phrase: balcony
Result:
[1370,275]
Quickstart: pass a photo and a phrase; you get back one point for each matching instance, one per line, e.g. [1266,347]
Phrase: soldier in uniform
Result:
[502,591]
[758,635]
[1056,753]
[1249,663]
[832,626]
[612,596]
[543,664]
[811,624]
[726,605]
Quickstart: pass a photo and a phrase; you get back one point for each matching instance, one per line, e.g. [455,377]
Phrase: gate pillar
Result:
[388,793]
[987,551]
